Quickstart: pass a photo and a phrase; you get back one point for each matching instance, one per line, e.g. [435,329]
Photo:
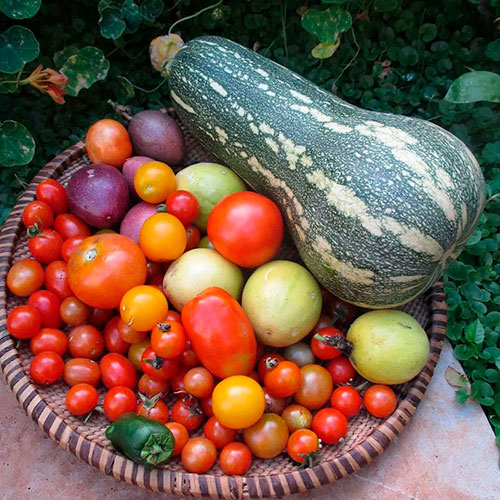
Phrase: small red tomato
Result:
[206,406]
[157,367]
[173,316]
[274,404]
[69,245]
[219,434]
[267,363]
[177,382]
[54,194]
[45,246]
[187,413]
[73,311]
[150,387]
[180,434]
[193,236]
[168,339]
[198,455]
[188,357]
[56,279]
[154,409]
[199,382]
[25,277]
[38,215]
[380,400]
[24,322]
[235,459]
[342,313]
[283,380]
[69,225]
[323,322]
[183,205]
[341,370]
[81,399]
[49,339]
[112,339]
[302,445]
[117,370]
[297,417]
[46,368]
[81,371]
[320,348]
[47,303]
[119,400]
[347,400]
[330,425]
[85,341]
[99,317]
[128,334]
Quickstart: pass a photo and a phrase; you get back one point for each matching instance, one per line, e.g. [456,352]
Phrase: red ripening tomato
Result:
[283,380]
[246,228]
[25,277]
[321,349]
[199,382]
[54,194]
[273,404]
[108,142]
[206,406]
[47,303]
[81,399]
[49,339]
[112,339]
[168,339]
[73,311]
[183,205]
[302,445]
[180,434]
[119,400]
[69,245]
[188,357]
[154,409]
[46,368]
[297,417]
[128,334]
[347,400]
[235,459]
[330,425]
[117,370]
[315,387]
[219,434]
[157,367]
[45,246]
[198,455]
[267,363]
[24,322]
[85,341]
[81,371]
[172,315]
[177,382]
[70,225]
[150,387]
[342,313]
[341,370]
[187,413]
[39,215]
[99,317]
[56,279]
[380,400]
[193,236]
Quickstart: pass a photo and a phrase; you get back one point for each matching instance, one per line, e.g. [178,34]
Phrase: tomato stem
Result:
[163,327]
[271,363]
[338,341]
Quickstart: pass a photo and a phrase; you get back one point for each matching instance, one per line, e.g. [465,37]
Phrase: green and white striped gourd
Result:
[376,203]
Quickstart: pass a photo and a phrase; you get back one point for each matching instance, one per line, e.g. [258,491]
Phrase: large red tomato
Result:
[246,228]
[103,267]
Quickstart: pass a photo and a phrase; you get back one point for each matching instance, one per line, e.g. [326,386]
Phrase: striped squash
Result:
[376,203]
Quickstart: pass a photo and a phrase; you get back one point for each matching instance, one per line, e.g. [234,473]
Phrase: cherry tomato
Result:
[330,425]
[45,246]
[117,370]
[321,349]
[73,311]
[150,386]
[267,363]
[380,400]
[47,303]
[54,194]
[187,413]
[198,455]
[341,370]
[142,307]
[347,400]
[341,312]
[188,357]
[25,277]
[155,269]
[206,406]
[168,339]
[70,226]
[157,367]
[85,341]
[135,352]
[49,339]
[274,404]
[199,382]
[155,409]
[177,382]
[173,316]
[154,181]
[246,228]
[235,459]
[69,246]
[24,322]
[46,368]
[302,445]
[267,438]
[324,321]
[193,236]
[299,353]
[108,142]
[112,339]
[218,434]
[183,205]
[162,237]
[39,215]
[297,417]
[119,400]
[81,399]
[283,380]
[100,317]
[180,434]
[56,279]
[315,387]
[81,371]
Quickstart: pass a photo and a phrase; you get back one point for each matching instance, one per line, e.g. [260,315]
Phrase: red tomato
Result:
[198,455]
[321,349]
[46,368]
[155,409]
[119,400]
[188,357]
[273,403]
[157,367]
[283,380]
[99,317]
[330,425]
[177,382]
[267,363]
[49,339]
[341,370]
[323,322]
[206,406]
[70,226]
[47,303]
[302,445]
[246,228]
[56,279]
[220,333]
[81,371]
[39,215]
[150,386]
[81,399]
[297,417]
[155,269]
[24,322]
[180,434]
[54,194]
[193,236]
[315,387]
[347,400]
[117,370]
[187,413]
[219,434]
[199,382]
[85,341]
[112,339]
[168,339]
[69,245]
[267,438]
[128,334]
[172,315]
[235,459]
[73,311]
[45,246]
[341,312]
[183,205]
[380,400]
[25,277]
[108,142]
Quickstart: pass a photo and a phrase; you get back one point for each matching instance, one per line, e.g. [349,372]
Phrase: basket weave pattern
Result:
[368,437]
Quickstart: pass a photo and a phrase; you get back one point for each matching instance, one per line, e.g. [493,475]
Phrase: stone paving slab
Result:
[446,452]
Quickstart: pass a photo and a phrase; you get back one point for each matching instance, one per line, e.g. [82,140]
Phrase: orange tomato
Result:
[154,181]
[107,141]
[163,237]
[102,268]
[142,307]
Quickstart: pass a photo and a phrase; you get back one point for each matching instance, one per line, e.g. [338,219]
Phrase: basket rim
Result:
[180,482]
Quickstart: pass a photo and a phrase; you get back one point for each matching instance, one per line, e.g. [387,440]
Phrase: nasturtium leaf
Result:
[474,332]
[8,84]
[327,24]
[61,56]
[84,69]
[491,152]
[20,9]
[475,86]
[17,145]
[385,5]
[131,12]
[111,23]
[151,9]
[408,56]
[325,50]
[104,4]
[428,32]
[493,50]
[18,46]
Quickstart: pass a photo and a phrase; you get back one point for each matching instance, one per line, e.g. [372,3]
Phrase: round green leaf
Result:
[18,46]
[131,13]
[493,50]
[61,56]
[151,9]
[327,24]
[20,9]
[428,32]
[408,56]
[111,23]
[385,5]
[475,86]
[17,145]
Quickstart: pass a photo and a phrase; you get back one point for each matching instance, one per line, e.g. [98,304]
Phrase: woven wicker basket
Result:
[368,437]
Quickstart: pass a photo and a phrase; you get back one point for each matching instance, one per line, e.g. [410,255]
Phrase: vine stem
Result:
[283,27]
[493,197]
[193,15]
[344,69]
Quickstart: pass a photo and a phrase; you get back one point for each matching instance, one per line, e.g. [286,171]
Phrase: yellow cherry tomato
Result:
[163,237]
[238,402]
[154,181]
[135,352]
[142,307]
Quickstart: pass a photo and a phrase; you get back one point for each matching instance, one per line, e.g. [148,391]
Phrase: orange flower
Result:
[49,81]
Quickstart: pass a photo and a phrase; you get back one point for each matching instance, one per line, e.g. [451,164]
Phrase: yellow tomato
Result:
[238,402]
[154,181]
[142,307]
[163,237]
[135,352]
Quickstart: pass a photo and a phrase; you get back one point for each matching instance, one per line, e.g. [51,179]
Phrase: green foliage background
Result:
[399,56]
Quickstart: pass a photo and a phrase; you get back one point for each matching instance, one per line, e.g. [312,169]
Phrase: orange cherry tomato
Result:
[142,307]
[181,436]
[25,277]
[163,237]
[108,142]
[154,181]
